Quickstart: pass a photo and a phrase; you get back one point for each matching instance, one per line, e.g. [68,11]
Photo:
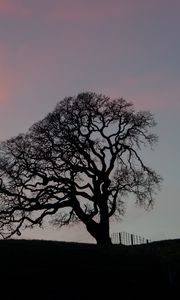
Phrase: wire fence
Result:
[128,239]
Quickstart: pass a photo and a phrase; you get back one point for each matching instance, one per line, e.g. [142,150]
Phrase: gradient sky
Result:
[50,49]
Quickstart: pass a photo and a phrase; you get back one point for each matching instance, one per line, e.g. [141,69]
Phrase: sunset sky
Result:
[50,49]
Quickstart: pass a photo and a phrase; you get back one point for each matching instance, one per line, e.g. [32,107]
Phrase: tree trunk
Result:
[102,237]
[100,231]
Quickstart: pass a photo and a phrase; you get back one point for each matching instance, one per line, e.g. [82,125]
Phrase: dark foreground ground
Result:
[57,270]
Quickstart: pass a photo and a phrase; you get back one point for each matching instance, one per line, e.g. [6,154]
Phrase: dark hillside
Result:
[32,269]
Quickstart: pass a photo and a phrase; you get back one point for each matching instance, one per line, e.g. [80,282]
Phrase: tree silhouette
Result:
[77,164]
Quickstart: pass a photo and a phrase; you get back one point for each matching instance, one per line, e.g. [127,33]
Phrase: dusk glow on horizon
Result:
[120,48]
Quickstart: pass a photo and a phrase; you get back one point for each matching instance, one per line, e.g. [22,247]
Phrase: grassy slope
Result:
[58,270]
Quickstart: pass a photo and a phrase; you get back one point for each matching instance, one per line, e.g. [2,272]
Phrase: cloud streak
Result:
[152,91]
[92,12]
[113,58]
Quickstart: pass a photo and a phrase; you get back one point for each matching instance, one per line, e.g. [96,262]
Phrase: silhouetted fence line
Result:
[128,239]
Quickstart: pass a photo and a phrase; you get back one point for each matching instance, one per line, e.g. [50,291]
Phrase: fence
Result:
[128,239]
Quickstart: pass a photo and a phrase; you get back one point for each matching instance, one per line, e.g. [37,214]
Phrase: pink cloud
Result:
[31,68]
[3,91]
[4,87]
[13,8]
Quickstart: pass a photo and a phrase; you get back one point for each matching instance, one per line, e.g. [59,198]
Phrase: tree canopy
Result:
[77,164]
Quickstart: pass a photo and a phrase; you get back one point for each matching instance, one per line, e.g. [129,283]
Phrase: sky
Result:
[50,49]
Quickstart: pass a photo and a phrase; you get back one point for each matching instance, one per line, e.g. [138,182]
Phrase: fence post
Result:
[125,238]
[132,241]
[126,235]
[120,242]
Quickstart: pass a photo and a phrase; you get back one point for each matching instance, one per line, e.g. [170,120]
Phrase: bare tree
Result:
[77,164]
